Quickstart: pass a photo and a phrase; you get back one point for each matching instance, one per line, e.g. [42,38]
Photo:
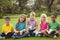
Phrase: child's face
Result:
[21,19]
[43,18]
[7,21]
[53,18]
[32,16]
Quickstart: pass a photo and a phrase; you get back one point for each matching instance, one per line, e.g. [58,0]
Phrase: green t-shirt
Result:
[54,26]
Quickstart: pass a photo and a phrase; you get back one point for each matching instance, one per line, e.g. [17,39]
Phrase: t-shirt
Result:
[6,29]
[32,23]
[21,26]
[43,26]
[54,26]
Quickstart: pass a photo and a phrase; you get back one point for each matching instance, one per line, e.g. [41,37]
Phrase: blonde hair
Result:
[32,13]
[44,16]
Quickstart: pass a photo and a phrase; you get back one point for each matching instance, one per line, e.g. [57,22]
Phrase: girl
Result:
[32,23]
[20,26]
[43,24]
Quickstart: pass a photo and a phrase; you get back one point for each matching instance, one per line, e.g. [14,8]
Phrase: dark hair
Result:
[54,14]
[7,17]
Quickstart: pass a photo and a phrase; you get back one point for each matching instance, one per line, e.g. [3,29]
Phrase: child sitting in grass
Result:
[20,26]
[53,26]
[43,24]
[32,24]
[7,29]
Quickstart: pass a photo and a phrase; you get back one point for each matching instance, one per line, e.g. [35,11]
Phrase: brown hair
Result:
[21,16]
[32,13]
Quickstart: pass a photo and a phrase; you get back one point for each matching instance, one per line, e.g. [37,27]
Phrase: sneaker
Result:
[0,37]
[16,37]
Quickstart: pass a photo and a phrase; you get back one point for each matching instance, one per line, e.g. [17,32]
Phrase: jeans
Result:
[9,35]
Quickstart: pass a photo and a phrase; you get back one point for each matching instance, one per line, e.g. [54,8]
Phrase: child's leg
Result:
[57,33]
[3,35]
[31,32]
[22,31]
[46,34]
[10,34]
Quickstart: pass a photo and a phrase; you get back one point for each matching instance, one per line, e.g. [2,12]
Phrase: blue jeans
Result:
[9,35]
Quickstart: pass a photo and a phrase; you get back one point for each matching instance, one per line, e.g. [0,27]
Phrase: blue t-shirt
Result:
[21,26]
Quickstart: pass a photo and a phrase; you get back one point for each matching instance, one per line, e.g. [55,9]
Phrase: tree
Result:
[22,4]
[50,3]
[37,4]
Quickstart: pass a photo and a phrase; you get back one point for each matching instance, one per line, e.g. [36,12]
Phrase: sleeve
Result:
[15,25]
[25,26]
[47,24]
[58,24]
[12,28]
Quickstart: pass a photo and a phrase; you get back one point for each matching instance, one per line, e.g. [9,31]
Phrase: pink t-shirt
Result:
[43,26]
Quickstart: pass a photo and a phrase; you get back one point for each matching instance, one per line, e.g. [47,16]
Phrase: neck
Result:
[7,24]
[32,19]
[43,21]
[53,21]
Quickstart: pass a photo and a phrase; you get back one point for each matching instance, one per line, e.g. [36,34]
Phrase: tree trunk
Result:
[50,3]
[22,4]
[37,4]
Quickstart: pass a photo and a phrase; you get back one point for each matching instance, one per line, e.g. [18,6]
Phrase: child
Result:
[53,26]
[43,24]
[20,26]
[32,23]
[7,30]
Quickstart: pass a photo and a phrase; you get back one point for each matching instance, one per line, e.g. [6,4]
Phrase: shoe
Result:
[16,37]
[2,37]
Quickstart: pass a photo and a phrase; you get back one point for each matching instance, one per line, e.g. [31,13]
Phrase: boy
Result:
[53,26]
[7,29]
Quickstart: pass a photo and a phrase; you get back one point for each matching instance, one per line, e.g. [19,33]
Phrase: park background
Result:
[14,8]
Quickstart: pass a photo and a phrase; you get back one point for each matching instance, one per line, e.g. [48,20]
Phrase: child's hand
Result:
[6,33]
[16,31]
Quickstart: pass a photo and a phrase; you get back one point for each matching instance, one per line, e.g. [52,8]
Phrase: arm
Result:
[48,27]
[36,24]
[58,27]
[27,25]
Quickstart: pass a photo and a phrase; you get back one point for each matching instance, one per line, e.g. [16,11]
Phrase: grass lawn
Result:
[14,20]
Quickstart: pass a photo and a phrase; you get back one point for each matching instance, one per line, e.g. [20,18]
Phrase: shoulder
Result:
[47,22]
[11,25]
[57,23]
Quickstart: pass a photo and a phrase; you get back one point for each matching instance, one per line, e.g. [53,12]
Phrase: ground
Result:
[14,20]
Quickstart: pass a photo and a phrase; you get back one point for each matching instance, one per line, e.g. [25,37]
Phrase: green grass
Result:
[14,20]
